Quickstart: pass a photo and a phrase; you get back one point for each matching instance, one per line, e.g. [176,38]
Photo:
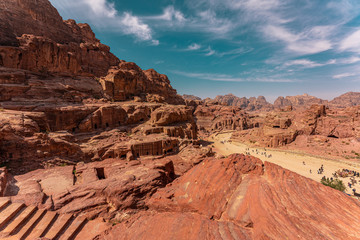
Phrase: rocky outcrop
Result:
[127,80]
[39,40]
[216,118]
[251,104]
[191,97]
[242,198]
[38,18]
[34,37]
[299,101]
[178,119]
[346,100]
[281,128]
[95,189]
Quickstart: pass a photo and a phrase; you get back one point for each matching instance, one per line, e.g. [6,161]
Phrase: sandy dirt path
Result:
[287,159]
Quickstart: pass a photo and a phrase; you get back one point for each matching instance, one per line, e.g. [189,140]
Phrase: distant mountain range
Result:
[252,104]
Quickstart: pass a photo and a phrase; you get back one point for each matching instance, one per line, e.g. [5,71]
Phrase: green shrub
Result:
[335,183]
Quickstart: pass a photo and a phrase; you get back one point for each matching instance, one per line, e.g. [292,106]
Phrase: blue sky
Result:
[245,47]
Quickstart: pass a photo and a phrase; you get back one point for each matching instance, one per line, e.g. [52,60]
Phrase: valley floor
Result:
[287,159]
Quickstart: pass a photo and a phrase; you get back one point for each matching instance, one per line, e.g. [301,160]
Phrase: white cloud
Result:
[103,14]
[350,60]
[170,14]
[307,42]
[133,25]
[343,75]
[351,43]
[209,21]
[170,17]
[193,47]
[229,78]
[310,46]
[101,7]
[210,51]
[303,62]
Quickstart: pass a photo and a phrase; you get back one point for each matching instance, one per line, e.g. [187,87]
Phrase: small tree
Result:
[335,183]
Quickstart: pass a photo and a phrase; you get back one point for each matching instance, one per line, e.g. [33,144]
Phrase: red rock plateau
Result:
[93,147]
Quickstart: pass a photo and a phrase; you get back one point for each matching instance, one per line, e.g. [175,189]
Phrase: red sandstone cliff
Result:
[34,37]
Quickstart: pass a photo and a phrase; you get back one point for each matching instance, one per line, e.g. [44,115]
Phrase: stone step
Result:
[60,224]
[9,212]
[29,226]
[3,203]
[19,220]
[43,225]
[74,228]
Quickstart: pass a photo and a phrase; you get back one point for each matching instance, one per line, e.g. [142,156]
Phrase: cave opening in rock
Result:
[107,125]
[95,126]
[100,173]
[332,136]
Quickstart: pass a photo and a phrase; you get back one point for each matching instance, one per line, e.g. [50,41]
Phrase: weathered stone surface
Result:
[99,188]
[216,118]
[251,104]
[347,100]
[191,97]
[175,117]
[127,80]
[241,198]
[34,37]
[299,101]
[38,18]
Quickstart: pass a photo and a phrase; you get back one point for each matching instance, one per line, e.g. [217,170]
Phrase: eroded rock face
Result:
[95,189]
[251,104]
[34,37]
[174,117]
[211,118]
[242,198]
[39,18]
[347,100]
[127,80]
[299,101]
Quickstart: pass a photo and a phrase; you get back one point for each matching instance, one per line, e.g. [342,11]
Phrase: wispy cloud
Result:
[193,47]
[306,42]
[133,25]
[102,8]
[171,18]
[303,62]
[209,51]
[351,42]
[229,78]
[103,14]
[344,75]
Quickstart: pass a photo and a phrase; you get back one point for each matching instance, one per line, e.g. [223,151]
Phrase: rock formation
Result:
[128,80]
[347,100]
[97,148]
[299,101]
[240,197]
[34,37]
[191,97]
[250,104]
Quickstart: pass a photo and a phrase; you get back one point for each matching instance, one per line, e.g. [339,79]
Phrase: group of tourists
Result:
[346,173]
[247,152]
[321,169]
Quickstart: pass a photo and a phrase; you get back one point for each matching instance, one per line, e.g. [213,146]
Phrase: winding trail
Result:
[287,159]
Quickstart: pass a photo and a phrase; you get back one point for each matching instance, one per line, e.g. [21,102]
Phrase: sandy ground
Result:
[287,159]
